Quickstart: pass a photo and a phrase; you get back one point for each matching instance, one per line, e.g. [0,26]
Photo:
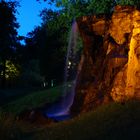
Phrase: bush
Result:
[31,76]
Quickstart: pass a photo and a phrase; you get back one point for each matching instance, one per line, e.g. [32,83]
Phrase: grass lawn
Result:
[32,100]
[108,122]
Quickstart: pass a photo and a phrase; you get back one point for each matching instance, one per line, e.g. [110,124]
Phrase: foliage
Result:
[12,70]
[8,34]
[78,8]
[30,75]
[101,6]
[49,42]
[128,2]
[8,30]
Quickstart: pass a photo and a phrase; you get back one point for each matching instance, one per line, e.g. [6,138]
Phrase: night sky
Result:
[28,16]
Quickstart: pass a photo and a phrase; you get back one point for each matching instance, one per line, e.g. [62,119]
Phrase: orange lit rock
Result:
[111,66]
[121,24]
[132,85]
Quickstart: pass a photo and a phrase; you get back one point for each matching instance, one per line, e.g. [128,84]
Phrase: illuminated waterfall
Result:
[61,109]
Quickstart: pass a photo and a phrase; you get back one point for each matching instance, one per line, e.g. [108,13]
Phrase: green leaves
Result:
[126,2]
[100,6]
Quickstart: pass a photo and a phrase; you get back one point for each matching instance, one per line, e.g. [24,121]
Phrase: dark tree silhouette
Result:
[48,44]
[8,35]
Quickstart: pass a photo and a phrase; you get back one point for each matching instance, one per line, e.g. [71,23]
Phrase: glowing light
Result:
[69,63]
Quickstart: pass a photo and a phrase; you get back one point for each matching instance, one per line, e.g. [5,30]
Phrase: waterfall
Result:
[62,107]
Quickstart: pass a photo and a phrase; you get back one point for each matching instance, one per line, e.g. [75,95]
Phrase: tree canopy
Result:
[8,35]
[50,42]
[82,7]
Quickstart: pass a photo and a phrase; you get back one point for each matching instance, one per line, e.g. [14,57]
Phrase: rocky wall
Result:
[110,63]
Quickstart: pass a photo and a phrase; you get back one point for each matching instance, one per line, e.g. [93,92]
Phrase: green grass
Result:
[33,100]
[108,122]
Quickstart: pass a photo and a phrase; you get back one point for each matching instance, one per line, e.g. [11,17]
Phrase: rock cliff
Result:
[110,64]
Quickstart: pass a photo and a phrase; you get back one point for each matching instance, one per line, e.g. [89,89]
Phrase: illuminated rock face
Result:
[110,69]
[127,82]
[133,70]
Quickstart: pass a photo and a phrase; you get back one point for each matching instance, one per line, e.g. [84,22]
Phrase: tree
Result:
[8,34]
[87,7]
[30,74]
[48,44]
[78,8]
[135,3]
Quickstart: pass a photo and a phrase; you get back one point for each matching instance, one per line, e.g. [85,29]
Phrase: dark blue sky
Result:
[28,15]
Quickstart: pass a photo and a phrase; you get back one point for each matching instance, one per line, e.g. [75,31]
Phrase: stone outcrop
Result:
[110,64]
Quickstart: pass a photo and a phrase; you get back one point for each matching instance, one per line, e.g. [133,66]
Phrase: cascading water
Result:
[61,110]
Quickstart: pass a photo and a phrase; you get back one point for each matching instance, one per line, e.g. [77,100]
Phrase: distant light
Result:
[52,83]
[68,67]
[69,63]
[44,84]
